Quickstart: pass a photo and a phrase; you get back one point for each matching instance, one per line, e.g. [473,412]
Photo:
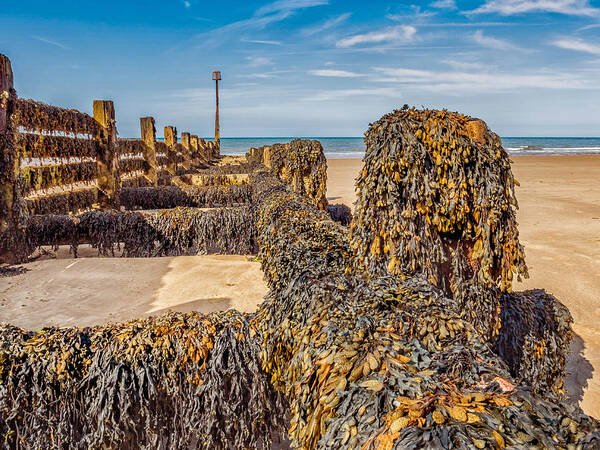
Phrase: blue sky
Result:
[312,67]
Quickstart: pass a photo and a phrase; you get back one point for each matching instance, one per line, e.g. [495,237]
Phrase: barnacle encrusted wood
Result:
[384,362]
[38,117]
[13,210]
[72,201]
[175,381]
[50,146]
[44,177]
[436,197]
[177,231]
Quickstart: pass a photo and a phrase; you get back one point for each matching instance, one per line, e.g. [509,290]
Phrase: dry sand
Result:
[559,223]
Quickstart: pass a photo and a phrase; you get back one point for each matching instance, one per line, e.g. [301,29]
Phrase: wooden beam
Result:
[149,137]
[6,88]
[185,143]
[171,143]
[12,249]
[195,149]
[107,158]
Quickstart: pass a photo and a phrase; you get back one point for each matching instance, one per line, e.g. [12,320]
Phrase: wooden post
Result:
[203,146]
[149,137]
[195,149]
[6,88]
[185,143]
[11,214]
[171,143]
[107,158]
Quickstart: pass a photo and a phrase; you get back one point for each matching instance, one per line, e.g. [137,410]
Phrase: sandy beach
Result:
[559,221]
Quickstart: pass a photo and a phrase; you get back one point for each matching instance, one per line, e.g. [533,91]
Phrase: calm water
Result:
[352,147]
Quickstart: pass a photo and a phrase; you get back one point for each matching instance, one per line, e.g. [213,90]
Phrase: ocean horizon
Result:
[354,147]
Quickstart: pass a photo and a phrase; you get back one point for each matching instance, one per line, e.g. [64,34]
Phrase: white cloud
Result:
[328,24]
[578,45]
[334,73]
[257,61]
[288,5]
[51,42]
[461,82]
[491,42]
[268,14]
[444,4]
[401,33]
[341,94]
[258,41]
[187,4]
[510,7]
[464,65]
[416,15]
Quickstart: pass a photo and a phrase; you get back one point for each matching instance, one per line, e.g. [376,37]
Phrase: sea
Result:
[354,147]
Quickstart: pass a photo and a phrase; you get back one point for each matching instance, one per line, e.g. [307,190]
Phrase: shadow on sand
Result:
[579,371]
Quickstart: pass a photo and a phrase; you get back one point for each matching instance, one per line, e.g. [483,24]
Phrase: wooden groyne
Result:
[65,161]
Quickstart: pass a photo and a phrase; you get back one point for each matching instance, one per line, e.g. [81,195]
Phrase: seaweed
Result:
[436,197]
[38,117]
[174,381]
[380,361]
[168,232]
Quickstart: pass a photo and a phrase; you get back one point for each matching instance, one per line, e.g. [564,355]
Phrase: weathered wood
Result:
[203,152]
[12,208]
[185,142]
[171,142]
[149,137]
[107,158]
[195,149]
[6,86]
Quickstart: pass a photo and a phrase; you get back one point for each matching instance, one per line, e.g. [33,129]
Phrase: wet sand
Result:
[92,291]
[559,224]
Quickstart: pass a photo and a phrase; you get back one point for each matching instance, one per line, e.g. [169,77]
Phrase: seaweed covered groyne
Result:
[387,362]
[175,381]
[301,164]
[62,161]
[401,331]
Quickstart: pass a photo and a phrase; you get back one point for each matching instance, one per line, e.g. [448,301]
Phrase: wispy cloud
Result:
[258,41]
[417,14]
[328,24]
[491,42]
[187,4]
[589,27]
[401,33]
[459,82]
[342,94]
[288,5]
[264,16]
[266,75]
[578,45]
[51,42]
[510,7]
[444,4]
[335,73]
[258,61]
[465,65]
